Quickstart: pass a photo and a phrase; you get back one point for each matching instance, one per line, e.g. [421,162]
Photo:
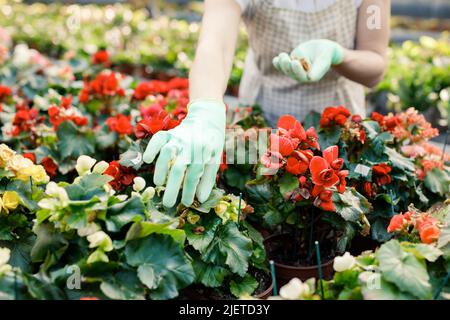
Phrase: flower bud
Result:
[100,167]
[139,184]
[148,193]
[100,239]
[343,263]
[84,164]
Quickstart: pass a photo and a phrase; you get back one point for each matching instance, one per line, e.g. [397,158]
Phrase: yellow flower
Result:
[5,154]
[37,173]
[10,200]
[221,208]
[18,163]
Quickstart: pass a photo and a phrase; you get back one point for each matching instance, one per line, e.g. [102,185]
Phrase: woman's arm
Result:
[215,51]
[367,63]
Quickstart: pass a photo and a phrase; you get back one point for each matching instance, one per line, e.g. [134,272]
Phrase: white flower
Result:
[84,164]
[122,197]
[148,194]
[139,184]
[22,55]
[100,167]
[345,262]
[56,191]
[294,290]
[91,228]
[5,254]
[100,239]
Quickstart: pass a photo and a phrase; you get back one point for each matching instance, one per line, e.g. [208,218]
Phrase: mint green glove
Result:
[192,151]
[310,61]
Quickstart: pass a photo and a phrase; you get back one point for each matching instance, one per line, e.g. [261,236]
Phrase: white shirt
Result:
[298,5]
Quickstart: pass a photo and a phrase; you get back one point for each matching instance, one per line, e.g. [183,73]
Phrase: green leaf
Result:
[438,181]
[329,137]
[372,129]
[124,285]
[120,214]
[379,231]
[347,278]
[444,238]
[404,270]
[106,138]
[143,229]
[209,275]
[243,286]
[25,192]
[49,244]
[423,251]
[88,186]
[132,157]
[234,177]
[351,205]
[72,142]
[288,183]
[211,202]
[201,241]
[399,161]
[312,120]
[161,264]
[258,193]
[230,244]
[383,290]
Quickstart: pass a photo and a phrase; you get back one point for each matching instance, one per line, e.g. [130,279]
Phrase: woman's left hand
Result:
[310,61]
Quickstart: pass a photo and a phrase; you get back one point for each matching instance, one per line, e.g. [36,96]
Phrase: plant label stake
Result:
[274,280]
[392,201]
[319,266]
[239,210]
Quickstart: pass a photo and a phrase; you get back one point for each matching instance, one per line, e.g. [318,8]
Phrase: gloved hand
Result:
[316,56]
[192,151]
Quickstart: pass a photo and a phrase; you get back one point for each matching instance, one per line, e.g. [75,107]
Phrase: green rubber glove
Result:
[317,55]
[192,151]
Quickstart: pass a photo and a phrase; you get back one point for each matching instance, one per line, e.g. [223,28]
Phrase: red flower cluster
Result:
[4,92]
[355,129]
[291,149]
[120,124]
[101,57]
[428,228]
[155,118]
[427,165]
[30,156]
[123,176]
[407,125]
[381,174]
[426,225]
[65,112]
[106,84]
[326,172]
[334,116]
[25,119]
[145,89]
[50,166]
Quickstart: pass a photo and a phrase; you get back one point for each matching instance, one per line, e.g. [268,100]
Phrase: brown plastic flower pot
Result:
[285,273]
[265,294]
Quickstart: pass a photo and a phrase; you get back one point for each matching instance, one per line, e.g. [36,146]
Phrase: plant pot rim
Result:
[290,267]
[266,293]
